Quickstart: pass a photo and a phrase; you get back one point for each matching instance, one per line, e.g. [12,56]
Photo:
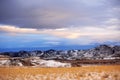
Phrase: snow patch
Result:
[48,63]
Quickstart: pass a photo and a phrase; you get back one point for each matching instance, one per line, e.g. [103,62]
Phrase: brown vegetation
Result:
[79,63]
[75,73]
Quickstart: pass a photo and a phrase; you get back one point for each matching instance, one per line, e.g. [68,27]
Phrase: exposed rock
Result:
[100,52]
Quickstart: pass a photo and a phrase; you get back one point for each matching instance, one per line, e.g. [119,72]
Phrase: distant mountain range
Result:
[99,52]
[70,47]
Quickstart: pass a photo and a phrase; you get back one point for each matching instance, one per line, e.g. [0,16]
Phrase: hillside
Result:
[99,52]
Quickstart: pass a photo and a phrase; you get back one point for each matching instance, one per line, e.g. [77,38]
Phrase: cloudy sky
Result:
[59,23]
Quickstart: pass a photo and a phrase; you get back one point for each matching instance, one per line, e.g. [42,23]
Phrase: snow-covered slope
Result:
[35,61]
[32,61]
[100,52]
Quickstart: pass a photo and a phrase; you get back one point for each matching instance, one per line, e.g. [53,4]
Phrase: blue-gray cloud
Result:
[57,13]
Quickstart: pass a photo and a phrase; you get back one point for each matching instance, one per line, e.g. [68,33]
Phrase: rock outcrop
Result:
[100,52]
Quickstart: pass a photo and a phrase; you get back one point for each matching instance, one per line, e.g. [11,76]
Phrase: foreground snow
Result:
[48,63]
[34,62]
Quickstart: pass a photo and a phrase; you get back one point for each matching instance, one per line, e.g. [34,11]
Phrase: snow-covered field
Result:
[73,73]
[33,61]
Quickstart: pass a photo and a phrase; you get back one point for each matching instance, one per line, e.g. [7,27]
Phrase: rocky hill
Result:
[102,54]
[99,52]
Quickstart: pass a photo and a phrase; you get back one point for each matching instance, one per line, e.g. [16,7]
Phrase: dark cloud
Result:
[55,13]
[116,2]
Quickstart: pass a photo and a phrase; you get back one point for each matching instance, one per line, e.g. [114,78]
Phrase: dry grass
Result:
[74,73]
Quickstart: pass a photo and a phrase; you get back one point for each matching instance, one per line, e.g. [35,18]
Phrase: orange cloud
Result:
[70,33]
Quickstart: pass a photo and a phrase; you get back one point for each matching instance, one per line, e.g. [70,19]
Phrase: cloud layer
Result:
[25,23]
[51,14]
[97,33]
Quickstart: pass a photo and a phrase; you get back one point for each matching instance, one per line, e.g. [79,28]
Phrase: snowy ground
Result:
[34,62]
